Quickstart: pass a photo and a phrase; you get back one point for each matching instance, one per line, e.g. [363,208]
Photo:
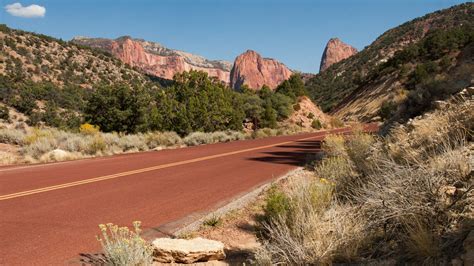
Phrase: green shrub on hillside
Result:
[388,109]
[316,124]
[4,113]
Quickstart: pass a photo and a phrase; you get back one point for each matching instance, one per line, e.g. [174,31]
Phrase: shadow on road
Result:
[298,153]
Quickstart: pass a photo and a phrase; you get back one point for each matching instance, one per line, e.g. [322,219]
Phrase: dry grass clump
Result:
[407,197]
[271,132]
[265,132]
[162,139]
[7,158]
[133,143]
[39,146]
[421,137]
[312,229]
[335,122]
[200,138]
[333,145]
[124,247]
[10,136]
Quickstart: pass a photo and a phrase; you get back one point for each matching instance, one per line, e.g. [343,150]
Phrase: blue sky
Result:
[292,31]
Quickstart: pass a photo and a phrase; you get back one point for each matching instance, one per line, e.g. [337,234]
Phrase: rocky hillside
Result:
[254,71]
[26,57]
[306,113]
[403,70]
[334,52]
[155,59]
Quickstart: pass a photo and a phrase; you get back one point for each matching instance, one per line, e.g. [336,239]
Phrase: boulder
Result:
[56,156]
[169,250]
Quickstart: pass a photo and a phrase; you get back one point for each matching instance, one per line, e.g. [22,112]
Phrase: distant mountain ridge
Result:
[156,59]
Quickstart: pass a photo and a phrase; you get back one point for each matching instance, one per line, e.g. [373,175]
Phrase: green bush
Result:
[297,107]
[277,203]
[316,124]
[4,113]
[387,109]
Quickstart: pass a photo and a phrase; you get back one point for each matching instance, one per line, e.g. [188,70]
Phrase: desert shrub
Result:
[74,143]
[316,124]
[220,136]
[387,109]
[310,116]
[399,195]
[38,133]
[89,129]
[95,145]
[412,204]
[276,204]
[266,132]
[335,122]
[167,138]
[313,230]
[236,135]
[333,145]
[335,169]
[358,147]
[7,158]
[226,136]
[198,138]
[4,113]
[133,142]
[39,147]
[12,136]
[111,139]
[124,247]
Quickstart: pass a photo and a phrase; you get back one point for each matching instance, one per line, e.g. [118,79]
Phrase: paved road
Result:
[49,213]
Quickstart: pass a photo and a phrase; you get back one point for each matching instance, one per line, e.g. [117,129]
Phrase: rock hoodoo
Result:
[334,52]
[253,70]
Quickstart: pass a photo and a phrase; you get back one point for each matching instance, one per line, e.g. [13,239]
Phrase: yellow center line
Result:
[142,170]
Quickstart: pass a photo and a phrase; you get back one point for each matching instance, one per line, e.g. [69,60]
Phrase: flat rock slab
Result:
[169,250]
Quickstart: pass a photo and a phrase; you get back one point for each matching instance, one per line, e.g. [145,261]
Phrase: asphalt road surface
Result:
[49,213]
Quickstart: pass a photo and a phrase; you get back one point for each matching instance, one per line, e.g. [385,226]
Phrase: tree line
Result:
[192,102]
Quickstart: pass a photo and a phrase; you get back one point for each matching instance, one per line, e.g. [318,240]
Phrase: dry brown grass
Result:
[333,145]
[407,197]
[300,236]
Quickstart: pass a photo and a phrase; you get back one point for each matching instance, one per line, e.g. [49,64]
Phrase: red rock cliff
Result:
[254,71]
[335,51]
[156,59]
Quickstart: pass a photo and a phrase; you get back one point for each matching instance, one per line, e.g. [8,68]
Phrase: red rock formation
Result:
[254,71]
[157,60]
[335,51]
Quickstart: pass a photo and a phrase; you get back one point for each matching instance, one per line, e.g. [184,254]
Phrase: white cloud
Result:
[31,11]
